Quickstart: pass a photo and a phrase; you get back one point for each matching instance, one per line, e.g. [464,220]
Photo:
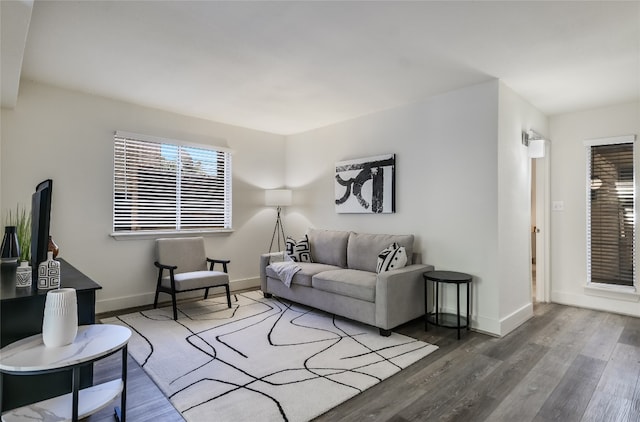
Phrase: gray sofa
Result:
[342,279]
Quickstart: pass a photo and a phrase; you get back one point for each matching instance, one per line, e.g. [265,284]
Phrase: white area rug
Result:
[262,360]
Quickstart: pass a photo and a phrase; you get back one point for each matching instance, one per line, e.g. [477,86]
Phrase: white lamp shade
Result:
[536,148]
[277,197]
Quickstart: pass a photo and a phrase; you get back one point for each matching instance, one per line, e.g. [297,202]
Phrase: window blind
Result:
[160,186]
[611,214]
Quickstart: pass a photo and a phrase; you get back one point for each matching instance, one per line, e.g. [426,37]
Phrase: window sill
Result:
[626,293]
[169,233]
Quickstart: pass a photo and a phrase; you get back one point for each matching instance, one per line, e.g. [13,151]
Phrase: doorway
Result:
[540,216]
[534,230]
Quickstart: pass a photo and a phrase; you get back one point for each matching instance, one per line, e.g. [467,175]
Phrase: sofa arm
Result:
[265,259]
[400,295]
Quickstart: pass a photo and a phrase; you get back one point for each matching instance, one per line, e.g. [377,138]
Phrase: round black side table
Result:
[442,319]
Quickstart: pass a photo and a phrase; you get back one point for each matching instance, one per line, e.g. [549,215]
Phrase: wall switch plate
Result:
[557,206]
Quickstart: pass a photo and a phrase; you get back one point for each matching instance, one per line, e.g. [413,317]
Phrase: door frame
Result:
[543,220]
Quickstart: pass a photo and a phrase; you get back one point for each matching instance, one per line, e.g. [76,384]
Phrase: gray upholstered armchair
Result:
[185,262]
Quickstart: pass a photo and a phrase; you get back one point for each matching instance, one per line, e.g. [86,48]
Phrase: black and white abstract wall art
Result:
[366,185]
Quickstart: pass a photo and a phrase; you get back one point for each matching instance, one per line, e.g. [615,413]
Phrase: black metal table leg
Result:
[75,387]
[120,413]
[426,304]
[458,307]
[437,309]
[123,398]
[468,300]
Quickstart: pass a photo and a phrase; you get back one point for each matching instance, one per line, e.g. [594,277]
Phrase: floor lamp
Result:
[278,198]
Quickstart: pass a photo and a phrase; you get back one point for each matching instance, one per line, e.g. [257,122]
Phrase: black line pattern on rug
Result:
[141,336]
[219,337]
[282,412]
[233,313]
[238,386]
[338,370]
[280,313]
[310,369]
[213,356]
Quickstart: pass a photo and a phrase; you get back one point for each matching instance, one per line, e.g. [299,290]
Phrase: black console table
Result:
[21,313]
[437,317]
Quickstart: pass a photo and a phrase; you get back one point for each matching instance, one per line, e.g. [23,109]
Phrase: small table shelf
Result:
[30,356]
[446,320]
[443,319]
[21,315]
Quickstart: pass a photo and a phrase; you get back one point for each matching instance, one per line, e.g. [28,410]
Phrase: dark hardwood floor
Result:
[565,364]
[145,402]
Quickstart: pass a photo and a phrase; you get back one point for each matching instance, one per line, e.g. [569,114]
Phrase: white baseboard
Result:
[486,325]
[598,303]
[502,327]
[143,299]
[124,302]
[246,283]
[516,319]
[479,323]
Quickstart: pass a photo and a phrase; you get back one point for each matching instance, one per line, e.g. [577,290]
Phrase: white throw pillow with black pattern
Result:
[299,251]
[391,258]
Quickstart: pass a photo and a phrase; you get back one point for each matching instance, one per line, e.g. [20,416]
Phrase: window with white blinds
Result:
[164,186]
[611,211]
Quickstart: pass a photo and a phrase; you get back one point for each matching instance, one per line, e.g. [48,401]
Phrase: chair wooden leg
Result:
[175,307]
[206,293]
[228,295]
[155,301]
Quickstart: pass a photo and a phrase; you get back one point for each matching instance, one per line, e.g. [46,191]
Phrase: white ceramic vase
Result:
[60,323]
[23,274]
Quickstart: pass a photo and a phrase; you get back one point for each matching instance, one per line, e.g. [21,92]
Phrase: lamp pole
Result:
[277,233]
[278,198]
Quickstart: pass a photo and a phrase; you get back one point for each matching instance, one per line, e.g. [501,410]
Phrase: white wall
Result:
[68,136]
[462,186]
[446,183]
[1,204]
[514,207]
[568,227]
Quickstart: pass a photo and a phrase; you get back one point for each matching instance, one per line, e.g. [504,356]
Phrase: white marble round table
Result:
[30,356]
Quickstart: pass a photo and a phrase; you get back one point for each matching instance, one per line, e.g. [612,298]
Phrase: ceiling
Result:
[289,67]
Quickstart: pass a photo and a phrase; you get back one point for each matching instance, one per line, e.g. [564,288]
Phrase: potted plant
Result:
[22,221]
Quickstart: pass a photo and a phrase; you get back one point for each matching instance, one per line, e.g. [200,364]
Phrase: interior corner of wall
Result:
[516,319]
[486,325]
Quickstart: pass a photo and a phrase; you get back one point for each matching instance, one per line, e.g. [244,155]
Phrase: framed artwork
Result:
[366,185]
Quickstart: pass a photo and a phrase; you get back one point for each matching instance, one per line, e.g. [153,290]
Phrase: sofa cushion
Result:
[352,283]
[329,246]
[196,280]
[307,270]
[363,249]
